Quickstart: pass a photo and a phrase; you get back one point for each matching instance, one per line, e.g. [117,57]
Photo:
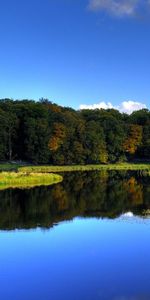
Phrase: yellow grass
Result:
[22,180]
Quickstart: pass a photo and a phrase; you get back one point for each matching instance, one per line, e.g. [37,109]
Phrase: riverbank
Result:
[76,168]
[30,176]
[22,180]
[9,167]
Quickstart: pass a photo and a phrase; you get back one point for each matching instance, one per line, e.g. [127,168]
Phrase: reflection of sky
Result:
[82,259]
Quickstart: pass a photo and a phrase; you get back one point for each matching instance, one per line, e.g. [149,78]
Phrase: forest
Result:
[41,132]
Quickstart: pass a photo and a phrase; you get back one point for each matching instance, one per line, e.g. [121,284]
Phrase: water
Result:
[86,238]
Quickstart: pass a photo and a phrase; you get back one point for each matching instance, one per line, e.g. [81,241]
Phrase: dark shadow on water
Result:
[86,194]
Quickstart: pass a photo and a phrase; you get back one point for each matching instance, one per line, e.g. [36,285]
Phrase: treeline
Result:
[45,133]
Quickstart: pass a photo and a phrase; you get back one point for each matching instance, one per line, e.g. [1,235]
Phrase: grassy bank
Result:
[8,167]
[73,168]
[22,180]
[109,167]
[30,176]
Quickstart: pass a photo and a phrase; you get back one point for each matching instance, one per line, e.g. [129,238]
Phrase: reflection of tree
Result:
[60,197]
[99,194]
[135,191]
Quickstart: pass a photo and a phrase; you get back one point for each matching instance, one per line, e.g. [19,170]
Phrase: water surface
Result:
[86,238]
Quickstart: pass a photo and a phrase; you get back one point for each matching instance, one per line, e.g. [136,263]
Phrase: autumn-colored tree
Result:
[133,140]
[58,136]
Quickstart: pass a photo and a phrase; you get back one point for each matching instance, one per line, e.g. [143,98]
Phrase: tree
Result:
[134,139]
[58,136]
[3,135]
[95,143]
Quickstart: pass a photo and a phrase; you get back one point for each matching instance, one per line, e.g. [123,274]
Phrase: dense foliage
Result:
[45,133]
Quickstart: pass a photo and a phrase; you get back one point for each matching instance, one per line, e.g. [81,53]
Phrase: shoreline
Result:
[22,180]
[16,176]
[78,168]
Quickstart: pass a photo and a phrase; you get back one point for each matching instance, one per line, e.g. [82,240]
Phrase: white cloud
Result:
[130,106]
[126,106]
[119,7]
[100,105]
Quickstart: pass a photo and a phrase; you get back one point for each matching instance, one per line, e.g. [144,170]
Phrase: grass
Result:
[109,167]
[73,168]
[8,167]
[22,180]
[30,176]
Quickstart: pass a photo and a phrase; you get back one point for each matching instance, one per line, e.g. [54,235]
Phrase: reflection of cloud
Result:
[128,215]
[126,106]
[119,7]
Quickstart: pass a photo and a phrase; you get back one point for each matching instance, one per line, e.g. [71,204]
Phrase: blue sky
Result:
[76,52]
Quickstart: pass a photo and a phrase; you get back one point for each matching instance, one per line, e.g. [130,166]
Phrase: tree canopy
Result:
[42,132]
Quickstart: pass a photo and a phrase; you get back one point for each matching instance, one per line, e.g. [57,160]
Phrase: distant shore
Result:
[73,168]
